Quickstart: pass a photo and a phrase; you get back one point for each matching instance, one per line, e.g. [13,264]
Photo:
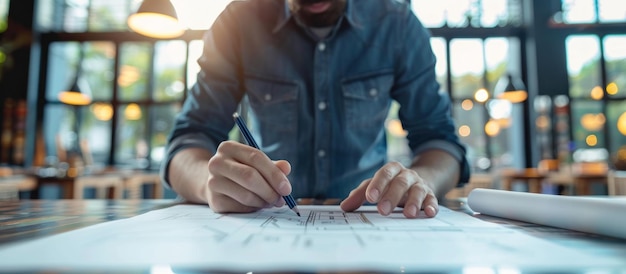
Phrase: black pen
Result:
[251,142]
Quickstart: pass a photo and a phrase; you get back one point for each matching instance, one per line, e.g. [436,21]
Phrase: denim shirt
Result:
[320,103]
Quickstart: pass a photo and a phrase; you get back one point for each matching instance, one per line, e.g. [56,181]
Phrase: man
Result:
[319,77]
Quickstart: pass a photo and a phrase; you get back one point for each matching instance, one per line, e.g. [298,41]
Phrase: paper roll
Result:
[598,215]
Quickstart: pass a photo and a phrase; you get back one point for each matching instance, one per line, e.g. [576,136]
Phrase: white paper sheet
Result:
[592,214]
[323,239]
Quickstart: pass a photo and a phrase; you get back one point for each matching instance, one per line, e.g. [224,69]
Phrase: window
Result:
[472,55]
[136,84]
[596,65]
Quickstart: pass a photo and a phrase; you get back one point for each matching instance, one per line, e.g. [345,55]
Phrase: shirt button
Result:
[321,46]
[373,92]
[321,106]
[267,97]
[321,153]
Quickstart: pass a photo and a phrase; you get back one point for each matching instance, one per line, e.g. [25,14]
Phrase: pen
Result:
[251,142]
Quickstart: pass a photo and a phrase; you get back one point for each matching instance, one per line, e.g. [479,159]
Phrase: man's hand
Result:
[394,185]
[243,179]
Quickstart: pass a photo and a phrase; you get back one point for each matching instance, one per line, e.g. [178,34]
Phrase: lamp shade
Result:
[511,89]
[157,19]
[74,96]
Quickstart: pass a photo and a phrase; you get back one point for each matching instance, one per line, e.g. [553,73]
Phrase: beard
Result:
[325,19]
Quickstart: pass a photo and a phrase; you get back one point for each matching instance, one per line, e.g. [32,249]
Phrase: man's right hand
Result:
[243,179]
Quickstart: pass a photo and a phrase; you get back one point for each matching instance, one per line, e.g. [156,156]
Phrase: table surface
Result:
[29,219]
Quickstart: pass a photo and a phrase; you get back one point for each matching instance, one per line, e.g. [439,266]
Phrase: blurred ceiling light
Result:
[132,112]
[102,112]
[394,126]
[597,93]
[481,95]
[157,19]
[612,88]
[464,131]
[128,76]
[511,89]
[467,104]
[593,122]
[492,128]
[591,140]
[621,124]
[75,95]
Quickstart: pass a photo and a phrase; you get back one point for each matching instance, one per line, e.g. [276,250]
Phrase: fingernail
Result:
[412,211]
[430,211]
[385,207]
[374,195]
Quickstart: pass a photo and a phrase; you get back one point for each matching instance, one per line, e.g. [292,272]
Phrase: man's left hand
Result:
[394,185]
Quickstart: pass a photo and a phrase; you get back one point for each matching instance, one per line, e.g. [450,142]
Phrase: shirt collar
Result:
[286,15]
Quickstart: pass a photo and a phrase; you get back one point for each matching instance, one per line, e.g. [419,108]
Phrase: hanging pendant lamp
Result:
[156,19]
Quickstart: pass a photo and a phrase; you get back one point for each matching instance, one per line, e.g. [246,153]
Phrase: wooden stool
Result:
[102,183]
[10,186]
[134,182]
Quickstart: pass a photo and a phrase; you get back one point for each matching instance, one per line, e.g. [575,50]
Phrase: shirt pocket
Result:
[366,99]
[274,105]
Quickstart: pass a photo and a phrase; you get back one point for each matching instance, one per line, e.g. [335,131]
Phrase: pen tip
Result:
[298,214]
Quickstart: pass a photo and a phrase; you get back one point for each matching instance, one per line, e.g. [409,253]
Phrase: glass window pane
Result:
[494,13]
[615,56]
[60,126]
[612,10]
[134,71]
[496,59]
[588,122]
[96,132]
[467,67]
[75,14]
[97,69]
[583,66]
[457,12]
[616,120]
[132,140]
[163,122]
[470,123]
[430,13]
[108,15]
[198,14]
[62,68]
[169,69]
[4,12]
[58,131]
[195,51]
[579,11]
[439,49]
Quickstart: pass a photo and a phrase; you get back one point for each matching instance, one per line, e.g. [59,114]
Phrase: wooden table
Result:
[531,176]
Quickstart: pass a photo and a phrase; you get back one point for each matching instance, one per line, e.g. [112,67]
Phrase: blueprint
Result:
[324,239]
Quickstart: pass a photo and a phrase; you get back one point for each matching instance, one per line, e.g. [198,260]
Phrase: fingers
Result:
[284,166]
[356,198]
[243,178]
[394,185]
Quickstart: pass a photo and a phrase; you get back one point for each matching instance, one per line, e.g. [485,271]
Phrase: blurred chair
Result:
[11,184]
[617,182]
[135,181]
[587,173]
[557,175]
[102,183]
